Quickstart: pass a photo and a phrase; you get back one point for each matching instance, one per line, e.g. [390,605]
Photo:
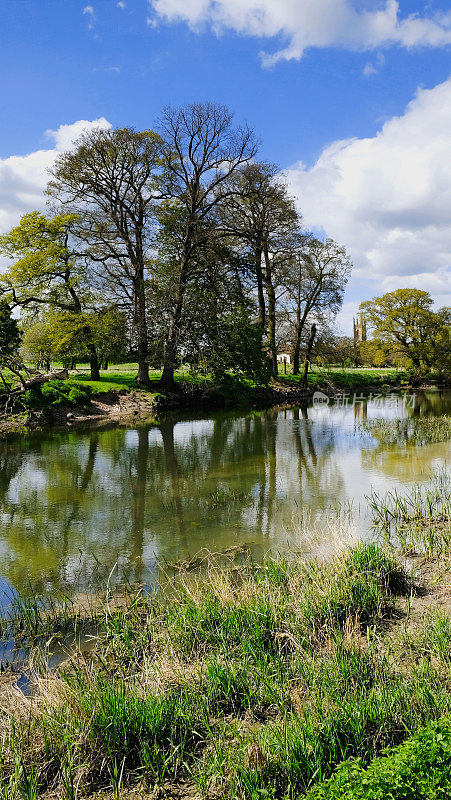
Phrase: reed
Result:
[412,431]
[418,521]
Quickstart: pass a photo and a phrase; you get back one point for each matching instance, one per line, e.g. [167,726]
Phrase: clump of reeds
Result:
[418,521]
[412,430]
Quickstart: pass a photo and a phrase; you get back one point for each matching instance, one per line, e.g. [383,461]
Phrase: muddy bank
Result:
[125,407]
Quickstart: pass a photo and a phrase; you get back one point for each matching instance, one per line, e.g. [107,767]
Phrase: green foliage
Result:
[419,769]
[56,393]
[404,324]
[157,733]
[10,336]
[267,658]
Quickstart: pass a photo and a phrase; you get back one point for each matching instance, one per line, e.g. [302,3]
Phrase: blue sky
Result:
[330,71]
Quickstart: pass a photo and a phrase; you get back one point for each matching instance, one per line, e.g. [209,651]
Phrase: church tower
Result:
[359,329]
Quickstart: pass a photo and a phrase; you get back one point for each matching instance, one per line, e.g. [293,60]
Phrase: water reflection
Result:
[72,505]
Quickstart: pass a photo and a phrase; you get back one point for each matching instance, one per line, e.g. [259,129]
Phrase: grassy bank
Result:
[123,376]
[80,399]
[285,679]
[352,379]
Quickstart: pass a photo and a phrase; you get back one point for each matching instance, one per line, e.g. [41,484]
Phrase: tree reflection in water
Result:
[75,504]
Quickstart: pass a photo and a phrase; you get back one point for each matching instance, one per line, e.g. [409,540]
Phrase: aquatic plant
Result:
[418,521]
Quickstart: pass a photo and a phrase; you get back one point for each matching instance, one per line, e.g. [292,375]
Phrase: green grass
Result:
[417,521]
[123,376]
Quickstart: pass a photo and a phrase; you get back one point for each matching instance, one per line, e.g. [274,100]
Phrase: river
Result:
[79,506]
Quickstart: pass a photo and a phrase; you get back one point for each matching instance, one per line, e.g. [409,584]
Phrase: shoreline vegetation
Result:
[116,397]
[284,679]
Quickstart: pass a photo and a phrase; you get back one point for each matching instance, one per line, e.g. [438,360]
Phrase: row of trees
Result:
[170,245]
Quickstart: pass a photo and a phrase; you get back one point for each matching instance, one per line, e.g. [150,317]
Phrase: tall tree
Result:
[48,273]
[202,149]
[315,278]
[111,182]
[261,214]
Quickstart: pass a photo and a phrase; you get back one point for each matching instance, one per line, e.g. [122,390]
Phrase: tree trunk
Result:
[271,297]
[167,381]
[93,361]
[141,327]
[92,350]
[308,354]
[260,293]
[297,344]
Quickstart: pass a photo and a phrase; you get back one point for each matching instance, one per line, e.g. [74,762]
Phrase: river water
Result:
[79,506]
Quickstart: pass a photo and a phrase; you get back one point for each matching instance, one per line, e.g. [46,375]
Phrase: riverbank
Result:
[115,399]
[284,679]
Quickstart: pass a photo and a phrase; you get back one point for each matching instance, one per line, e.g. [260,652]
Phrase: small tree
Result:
[405,325]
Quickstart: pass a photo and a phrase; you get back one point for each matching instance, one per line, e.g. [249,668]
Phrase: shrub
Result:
[56,393]
[419,769]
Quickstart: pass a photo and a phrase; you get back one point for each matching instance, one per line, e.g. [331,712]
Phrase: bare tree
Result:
[201,151]
[111,182]
[314,280]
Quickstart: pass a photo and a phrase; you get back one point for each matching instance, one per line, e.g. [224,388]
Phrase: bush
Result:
[56,393]
[419,769]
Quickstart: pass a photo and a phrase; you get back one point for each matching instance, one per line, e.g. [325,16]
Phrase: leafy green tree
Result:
[9,334]
[10,338]
[39,344]
[110,330]
[47,273]
[405,324]
[111,182]
[220,328]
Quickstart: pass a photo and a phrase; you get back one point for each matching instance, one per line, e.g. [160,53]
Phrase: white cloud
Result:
[90,13]
[372,68]
[388,198]
[311,23]
[23,178]
[121,4]
[369,69]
